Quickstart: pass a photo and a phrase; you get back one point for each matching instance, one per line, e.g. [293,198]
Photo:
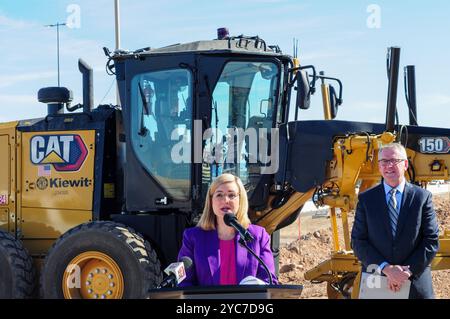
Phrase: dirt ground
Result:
[307,242]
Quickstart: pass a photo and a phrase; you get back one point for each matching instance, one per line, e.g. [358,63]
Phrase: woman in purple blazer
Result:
[213,246]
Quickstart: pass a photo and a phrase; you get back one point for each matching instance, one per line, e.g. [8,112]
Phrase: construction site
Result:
[306,243]
[97,198]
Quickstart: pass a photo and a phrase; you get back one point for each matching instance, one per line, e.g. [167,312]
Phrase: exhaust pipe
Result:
[55,109]
[393,66]
[88,95]
[410,93]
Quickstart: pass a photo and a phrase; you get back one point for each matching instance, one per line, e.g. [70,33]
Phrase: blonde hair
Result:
[396,147]
[208,219]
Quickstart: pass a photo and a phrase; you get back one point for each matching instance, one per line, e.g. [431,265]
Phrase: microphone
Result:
[231,220]
[176,273]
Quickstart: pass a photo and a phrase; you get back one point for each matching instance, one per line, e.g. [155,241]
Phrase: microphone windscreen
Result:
[187,262]
[227,218]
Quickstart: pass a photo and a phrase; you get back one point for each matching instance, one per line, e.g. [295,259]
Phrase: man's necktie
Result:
[392,207]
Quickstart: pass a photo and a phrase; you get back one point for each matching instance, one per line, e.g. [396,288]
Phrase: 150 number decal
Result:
[439,145]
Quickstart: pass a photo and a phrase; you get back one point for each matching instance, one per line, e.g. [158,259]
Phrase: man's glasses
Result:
[222,196]
[388,162]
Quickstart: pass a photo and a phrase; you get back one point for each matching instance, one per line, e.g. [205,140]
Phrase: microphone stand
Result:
[244,244]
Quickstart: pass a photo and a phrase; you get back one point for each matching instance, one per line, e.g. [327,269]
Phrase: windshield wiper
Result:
[143,130]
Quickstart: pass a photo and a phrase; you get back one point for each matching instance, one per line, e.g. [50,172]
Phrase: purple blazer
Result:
[203,248]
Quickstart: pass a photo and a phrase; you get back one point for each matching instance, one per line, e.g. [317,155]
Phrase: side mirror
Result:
[303,90]
[333,102]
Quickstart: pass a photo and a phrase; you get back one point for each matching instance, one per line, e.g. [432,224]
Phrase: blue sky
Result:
[333,35]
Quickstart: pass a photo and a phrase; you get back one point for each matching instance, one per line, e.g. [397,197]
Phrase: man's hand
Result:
[397,276]
[406,269]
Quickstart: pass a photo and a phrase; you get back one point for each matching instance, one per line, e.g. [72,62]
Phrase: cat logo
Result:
[65,152]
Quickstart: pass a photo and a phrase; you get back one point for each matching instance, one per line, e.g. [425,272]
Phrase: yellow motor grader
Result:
[94,201]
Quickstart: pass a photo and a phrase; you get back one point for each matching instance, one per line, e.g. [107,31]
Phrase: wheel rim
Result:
[92,275]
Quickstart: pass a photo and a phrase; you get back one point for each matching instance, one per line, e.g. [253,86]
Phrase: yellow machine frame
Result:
[355,161]
[41,213]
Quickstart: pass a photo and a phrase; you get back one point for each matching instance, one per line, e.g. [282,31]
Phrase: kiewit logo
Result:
[64,152]
[42,183]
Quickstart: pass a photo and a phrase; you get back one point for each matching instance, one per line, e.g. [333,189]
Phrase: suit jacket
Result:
[416,240]
[203,248]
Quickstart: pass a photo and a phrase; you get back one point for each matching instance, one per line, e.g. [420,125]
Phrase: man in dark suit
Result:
[395,227]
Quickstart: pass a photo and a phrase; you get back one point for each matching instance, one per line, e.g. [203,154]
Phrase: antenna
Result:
[117,36]
[295,48]
[117,22]
[295,53]
[57,25]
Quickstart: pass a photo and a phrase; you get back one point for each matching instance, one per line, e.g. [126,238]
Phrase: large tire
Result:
[17,274]
[108,254]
